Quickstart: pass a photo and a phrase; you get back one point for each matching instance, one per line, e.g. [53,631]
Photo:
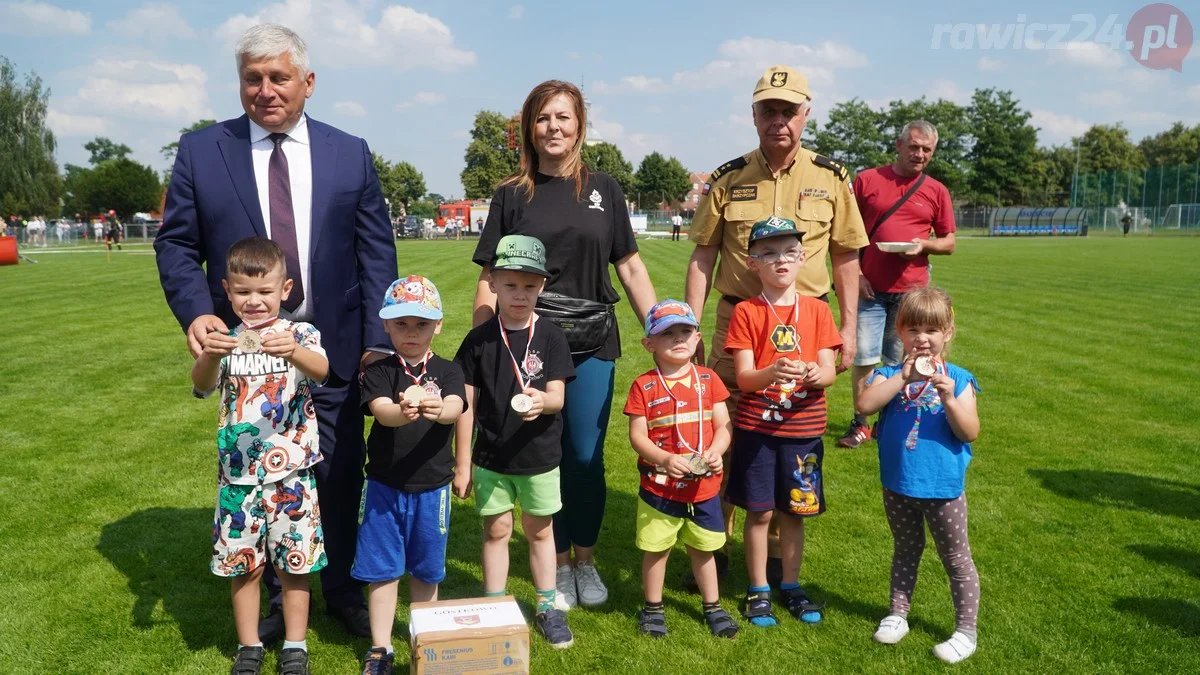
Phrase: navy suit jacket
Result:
[212,202]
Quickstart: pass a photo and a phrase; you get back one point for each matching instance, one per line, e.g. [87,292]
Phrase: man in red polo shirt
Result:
[887,275]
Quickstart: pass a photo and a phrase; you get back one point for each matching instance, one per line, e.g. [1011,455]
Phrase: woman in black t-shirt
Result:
[581,217]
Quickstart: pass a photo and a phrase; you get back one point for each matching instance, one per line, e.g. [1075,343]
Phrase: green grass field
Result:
[1084,492]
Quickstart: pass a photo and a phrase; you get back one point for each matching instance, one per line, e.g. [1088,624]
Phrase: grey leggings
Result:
[947,520]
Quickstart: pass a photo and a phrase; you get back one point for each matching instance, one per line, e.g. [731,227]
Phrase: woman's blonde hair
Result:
[929,306]
[537,99]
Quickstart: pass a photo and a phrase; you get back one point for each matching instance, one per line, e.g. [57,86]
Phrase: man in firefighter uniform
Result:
[779,178]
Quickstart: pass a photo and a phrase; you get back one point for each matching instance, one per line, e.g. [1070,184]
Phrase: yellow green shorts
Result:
[497,493]
[658,531]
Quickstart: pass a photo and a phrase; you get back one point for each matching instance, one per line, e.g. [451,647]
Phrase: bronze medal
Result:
[699,465]
[925,365]
[249,341]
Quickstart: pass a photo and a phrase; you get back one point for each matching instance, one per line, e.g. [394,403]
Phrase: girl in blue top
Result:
[927,420]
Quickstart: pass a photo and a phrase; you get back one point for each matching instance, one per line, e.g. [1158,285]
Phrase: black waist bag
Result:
[586,323]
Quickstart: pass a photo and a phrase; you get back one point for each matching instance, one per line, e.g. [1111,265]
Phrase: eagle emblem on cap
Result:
[778,79]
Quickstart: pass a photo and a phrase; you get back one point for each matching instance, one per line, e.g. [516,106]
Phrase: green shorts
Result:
[658,531]
[497,493]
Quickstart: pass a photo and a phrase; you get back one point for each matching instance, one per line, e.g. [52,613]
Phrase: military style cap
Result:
[774,227]
[520,253]
[782,83]
[412,296]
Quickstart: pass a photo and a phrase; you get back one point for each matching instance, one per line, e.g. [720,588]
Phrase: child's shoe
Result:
[592,591]
[891,630]
[956,649]
[756,607]
[378,662]
[800,605]
[552,624]
[293,662]
[720,624]
[248,662]
[652,623]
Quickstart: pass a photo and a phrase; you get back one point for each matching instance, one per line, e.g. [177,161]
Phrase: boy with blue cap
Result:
[416,397]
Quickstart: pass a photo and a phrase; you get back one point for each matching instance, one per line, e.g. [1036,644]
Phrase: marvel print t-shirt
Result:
[267,426]
[505,443]
[417,456]
[582,236]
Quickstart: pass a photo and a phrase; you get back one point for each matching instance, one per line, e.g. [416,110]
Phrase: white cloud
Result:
[349,109]
[1087,55]
[421,98]
[66,125]
[1108,98]
[339,34]
[631,83]
[949,91]
[654,110]
[153,22]
[516,12]
[634,145]
[1054,127]
[148,90]
[1192,92]
[989,65]
[42,19]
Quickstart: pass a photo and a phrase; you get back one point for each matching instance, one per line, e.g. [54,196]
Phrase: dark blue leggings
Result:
[585,422]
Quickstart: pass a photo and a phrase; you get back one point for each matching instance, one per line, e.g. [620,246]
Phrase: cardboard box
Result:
[473,635]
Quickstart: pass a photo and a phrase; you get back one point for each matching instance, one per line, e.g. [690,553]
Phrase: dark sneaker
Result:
[248,662]
[552,624]
[856,435]
[293,662]
[378,662]
[354,619]
[800,605]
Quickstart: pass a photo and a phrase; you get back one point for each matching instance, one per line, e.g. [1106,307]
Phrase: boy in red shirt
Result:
[783,346]
[679,426]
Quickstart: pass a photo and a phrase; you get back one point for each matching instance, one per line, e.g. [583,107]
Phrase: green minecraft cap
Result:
[521,253]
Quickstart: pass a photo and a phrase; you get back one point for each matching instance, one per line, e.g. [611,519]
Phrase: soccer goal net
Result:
[1182,217]
[1140,219]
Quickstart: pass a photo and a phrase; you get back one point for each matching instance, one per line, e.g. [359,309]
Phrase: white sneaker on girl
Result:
[891,630]
[957,648]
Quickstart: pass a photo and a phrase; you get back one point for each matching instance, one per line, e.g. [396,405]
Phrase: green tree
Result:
[1050,183]
[489,158]
[29,180]
[1110,168]
[170,149]
[853,134]
[122,185]
[437,200]
[1173,147]
[1002,155]
[422,209]
[607,158]
[104,149]
[950,163]
[660,179]
[400,183]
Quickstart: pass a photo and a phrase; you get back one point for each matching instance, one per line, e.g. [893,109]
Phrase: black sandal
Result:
[758,605]
[653,624]
[720,624]
[801,606]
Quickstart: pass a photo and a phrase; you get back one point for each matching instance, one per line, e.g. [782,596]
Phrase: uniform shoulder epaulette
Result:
[731,165]
[833,165]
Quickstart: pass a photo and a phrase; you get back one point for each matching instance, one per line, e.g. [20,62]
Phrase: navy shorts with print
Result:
[773,472]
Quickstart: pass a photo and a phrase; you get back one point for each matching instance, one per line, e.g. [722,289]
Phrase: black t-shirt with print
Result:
[505,443]
[582,236]
[417,456]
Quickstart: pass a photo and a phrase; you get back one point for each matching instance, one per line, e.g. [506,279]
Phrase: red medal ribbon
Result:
[516,367]
[424,367]
[699,449]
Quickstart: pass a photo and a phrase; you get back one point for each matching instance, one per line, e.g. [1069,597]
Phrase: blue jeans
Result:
[585,423]
[877,338]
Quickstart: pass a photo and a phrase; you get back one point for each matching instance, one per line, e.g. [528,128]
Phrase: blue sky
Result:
[669,76]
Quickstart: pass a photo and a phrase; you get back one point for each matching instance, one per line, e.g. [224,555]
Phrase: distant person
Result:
[97,229]
[1126,223]
[927,421]
[113,234]
[899,203]
[479,224]
[676,224]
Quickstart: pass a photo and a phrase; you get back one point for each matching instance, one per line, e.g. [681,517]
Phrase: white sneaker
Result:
[956,649]
[567,596]
[591,590]
[891,630]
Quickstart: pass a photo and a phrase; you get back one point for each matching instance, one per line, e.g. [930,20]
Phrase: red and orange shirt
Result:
[796,331]
[674,414]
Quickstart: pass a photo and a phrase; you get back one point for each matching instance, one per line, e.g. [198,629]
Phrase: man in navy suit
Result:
[312,189]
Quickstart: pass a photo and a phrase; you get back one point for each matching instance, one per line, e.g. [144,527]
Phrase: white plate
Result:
[895,246]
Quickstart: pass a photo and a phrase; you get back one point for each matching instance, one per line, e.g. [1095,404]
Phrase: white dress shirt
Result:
[298,152]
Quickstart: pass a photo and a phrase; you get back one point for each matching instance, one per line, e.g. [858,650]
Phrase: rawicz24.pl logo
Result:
[1158,36]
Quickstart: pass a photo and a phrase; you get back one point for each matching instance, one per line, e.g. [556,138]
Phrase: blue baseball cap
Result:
[412,296]
[669,313]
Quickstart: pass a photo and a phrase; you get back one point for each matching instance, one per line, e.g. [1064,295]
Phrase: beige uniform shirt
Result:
[814,192]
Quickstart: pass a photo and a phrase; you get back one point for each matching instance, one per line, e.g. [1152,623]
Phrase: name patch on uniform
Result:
[743,193]
[658,401]
[816,193]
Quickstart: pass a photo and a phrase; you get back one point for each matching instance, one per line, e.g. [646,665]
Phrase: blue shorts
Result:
[772,472]
[402,531]
[877,338]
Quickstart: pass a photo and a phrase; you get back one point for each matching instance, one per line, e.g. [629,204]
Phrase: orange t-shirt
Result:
[670,415]
[797,331]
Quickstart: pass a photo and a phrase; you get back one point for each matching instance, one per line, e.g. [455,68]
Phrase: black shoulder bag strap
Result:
[888,214]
